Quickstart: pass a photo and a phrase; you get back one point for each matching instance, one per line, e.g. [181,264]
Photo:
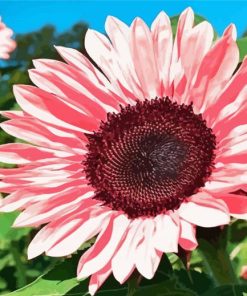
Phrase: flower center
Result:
[150,157]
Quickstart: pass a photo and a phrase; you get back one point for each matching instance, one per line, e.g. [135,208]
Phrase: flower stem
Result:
[20,268]
[134,283]
[217,261]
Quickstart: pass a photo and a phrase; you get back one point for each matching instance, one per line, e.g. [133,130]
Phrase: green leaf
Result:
[197,281]
[3,284]
[239,256]
[8,233]
[61,280]
[216,260]
[58,281]
[242,45]
[171,287]
[6,220]
[5,260]
[227,290]
[238,230]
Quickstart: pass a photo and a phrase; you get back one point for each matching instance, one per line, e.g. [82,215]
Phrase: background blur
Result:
[38,25]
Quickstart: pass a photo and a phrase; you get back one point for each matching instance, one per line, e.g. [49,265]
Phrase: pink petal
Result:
[34,176]
[12,114]
[228,95]
[162,39]
[45,188]
[147,258]
[231,116]
[117,70]
[224,187]
[103,249]
[38,133]
[228,177]
[45,211]
[237,135]
[237,204]
[19,199]
[144,60]
[26,195]
[236,153]
[125,255]
[185,23]
[98,46]
[215,71]
[88,229]
[17,153]
[7,45]
[44,179]
[119,34]
[229,171]
[78,60]
[98,278]
[49,108]
[195,43]
[58,131]
[177,77]
[204,210]
[187,239]
[52,83]
[166,234]
[38,244]
[93,94]
[58,230]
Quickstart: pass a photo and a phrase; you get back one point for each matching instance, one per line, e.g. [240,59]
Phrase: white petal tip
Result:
[224,221]
[59,48]
[35,63]
[55,253]
[7,208]
[118,277]
[240,216]
[145,272]
[163,249]
[231,31]
[19,222]
[15,88]
[137,21]
[92,289]
[188,11]
[32,252]
[30,256]
[110,18]
[82,275]
[163,17]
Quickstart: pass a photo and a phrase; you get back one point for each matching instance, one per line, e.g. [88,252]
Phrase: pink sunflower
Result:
[137,154]
[7,45]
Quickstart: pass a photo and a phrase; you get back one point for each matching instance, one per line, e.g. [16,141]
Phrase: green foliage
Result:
[61,280]
[227,290]
[242,45]
[57,281]
[6,232]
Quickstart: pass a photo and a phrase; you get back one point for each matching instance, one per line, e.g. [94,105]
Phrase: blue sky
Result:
[25,16]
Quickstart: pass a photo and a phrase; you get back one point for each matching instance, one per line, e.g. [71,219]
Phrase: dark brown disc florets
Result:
[149,157]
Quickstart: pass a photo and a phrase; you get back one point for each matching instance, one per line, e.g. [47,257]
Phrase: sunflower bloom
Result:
[7,45]
[137,154]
